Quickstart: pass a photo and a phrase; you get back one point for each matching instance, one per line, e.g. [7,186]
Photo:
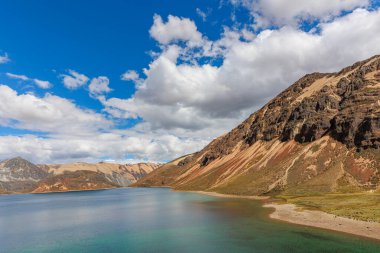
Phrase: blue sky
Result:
[46,38]
[208,64]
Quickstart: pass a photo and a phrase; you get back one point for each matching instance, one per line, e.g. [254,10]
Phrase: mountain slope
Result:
[119,174]
[322,134]
[74,181]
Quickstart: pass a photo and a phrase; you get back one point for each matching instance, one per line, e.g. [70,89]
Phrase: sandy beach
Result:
[292,214]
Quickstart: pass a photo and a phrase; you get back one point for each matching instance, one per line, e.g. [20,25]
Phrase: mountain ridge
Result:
[322,134]
[18,175]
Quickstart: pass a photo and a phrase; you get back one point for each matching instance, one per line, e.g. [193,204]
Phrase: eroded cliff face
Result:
[320,134]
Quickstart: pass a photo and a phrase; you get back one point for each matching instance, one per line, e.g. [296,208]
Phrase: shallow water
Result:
[156,220]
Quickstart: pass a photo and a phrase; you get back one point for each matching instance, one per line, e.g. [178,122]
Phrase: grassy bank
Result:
[359,206]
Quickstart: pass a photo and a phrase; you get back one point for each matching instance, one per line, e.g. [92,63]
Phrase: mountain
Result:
[320,135]
[118,174]
[73,181]
[18,175]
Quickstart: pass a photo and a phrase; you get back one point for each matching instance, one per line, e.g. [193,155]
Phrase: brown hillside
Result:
[322,134]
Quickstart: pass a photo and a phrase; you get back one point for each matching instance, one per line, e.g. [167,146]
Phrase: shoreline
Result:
[293,214]
[79,190]
[68,191]
[222,195]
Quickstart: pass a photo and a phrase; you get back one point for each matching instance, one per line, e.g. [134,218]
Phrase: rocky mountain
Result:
[322,134]
[74,180]
[18,175]
[118,174]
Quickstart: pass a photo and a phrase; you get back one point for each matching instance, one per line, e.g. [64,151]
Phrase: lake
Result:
[156,220]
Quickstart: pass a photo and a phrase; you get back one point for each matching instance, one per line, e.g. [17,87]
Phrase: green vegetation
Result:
[359,206]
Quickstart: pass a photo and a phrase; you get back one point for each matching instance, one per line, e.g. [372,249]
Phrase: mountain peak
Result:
[343,105]
[18,161]
[18,158]
[21,170]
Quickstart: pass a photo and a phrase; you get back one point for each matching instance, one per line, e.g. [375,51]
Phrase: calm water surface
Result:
[155,220]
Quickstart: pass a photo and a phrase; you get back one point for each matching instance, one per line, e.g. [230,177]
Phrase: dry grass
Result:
[360,206]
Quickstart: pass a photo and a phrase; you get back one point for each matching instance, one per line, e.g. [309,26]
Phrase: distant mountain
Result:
[322,134]
[18,175]
[74,181]
[119,174]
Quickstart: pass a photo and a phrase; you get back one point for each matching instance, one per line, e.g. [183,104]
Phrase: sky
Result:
[139,80]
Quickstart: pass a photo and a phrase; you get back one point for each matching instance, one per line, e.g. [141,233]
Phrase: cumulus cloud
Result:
[175,29]
[74,80]
[283,12]
[132,75]
[40,83]
[185,100]
[60,149]
[78,134]
[50,114]
[4,58]
[99,86]
[206,97]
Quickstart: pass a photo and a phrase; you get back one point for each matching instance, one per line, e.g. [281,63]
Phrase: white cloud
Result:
[201,14]
[50,114]
[131,75]
[185,103]
[120,108]
[61,149]
[77,134]
[208,100]
[74,80]
[4,58]
[285,12]
[99,86]
[20,77]
[40,83]
[175,29]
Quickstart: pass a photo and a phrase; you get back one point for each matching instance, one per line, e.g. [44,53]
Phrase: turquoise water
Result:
[155,220]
